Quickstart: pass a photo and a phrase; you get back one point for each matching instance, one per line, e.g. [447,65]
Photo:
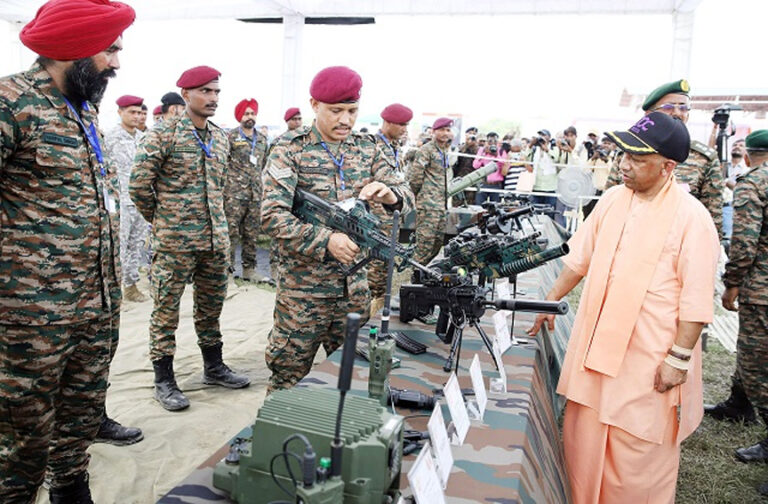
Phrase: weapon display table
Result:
[513,455]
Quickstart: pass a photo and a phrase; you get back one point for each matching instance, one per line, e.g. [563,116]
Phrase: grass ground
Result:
[709,473]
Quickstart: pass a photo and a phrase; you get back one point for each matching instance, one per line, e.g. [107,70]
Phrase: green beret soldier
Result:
[700,174]
[746,280]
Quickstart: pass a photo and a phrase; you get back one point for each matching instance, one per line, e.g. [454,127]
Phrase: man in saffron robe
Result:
[632,372]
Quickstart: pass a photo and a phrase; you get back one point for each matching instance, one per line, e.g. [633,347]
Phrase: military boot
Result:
[166,390]
[757,452]
[249,274]
[114,433]
[132,293]
[736,408]
[77,492]
[215,372]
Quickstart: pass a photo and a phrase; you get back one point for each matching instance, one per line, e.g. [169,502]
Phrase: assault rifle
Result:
[353,218]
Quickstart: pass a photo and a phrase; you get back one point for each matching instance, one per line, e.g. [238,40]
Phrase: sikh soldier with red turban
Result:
[59,222]
[242,193]
[177,184]
[331,161]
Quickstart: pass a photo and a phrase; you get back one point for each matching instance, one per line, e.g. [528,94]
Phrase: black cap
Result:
[656,133]
[172,99]
[471,129]
[544,132]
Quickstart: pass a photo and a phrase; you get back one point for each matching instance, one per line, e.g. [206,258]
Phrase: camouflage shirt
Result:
[392,153]
[243,173]
[700,174]
[120,149]
[747,266]
[428,176]
[179,189]
[59,250]
[298,160]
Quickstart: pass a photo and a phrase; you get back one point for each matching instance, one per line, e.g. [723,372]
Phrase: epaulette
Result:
[704,149]
[216,126]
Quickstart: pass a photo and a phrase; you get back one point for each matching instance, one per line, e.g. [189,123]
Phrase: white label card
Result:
[499,385]
[478,384]
[423,478]
[441,446]
[459,416]
[501,326]
[502,289]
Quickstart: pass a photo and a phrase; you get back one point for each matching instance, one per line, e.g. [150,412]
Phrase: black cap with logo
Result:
[656,133]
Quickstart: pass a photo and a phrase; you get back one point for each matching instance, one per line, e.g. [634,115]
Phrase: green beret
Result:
[677,87]
[757,140]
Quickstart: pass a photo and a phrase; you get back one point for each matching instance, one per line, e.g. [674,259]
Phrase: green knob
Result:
[325,462]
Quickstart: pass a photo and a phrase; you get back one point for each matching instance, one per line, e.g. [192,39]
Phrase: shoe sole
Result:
[119,442]
[224,384]
[171,409]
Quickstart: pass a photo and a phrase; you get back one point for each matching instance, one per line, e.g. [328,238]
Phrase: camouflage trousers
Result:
[53,382]
[133,236]
[171,271]
[752,353]
[302,324]
[377,278]
[430,230]
[244,224]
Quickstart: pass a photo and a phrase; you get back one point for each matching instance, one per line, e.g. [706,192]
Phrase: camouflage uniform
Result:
[700,172]
[313,294]
[747,269]
[242,193]
[428,177]
[59,288]
[179,190]
[120,149]
[377,271]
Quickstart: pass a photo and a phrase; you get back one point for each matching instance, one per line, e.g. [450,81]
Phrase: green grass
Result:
[709,473]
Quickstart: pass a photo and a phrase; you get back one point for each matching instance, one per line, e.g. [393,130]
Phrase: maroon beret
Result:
[396,113]
[129,101]
[157,110]
[336,84]
[197,76]
[67,30]
[291,112]
[244,104]
[442,122]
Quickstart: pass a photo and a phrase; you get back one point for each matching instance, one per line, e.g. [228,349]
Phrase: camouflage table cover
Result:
[513,456]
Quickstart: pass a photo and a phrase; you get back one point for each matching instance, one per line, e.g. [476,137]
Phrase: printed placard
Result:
[459,416]
[501,326]
[478,384]
[499,385]
[425,483]
[441,446]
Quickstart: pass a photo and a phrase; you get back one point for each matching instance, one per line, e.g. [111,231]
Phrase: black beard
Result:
[249,124]
[84,82]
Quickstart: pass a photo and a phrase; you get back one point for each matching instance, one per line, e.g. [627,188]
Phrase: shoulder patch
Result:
[704,149]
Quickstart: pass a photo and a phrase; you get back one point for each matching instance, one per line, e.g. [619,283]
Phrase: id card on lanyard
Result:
[339,162]
[92,136]
[252,158]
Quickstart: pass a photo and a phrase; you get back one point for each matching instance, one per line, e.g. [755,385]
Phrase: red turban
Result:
[66,30]
[396,113]
[290,113]
[129,101]
[157,110]
[336,85]
[197,76]
[442,122]
[244,104]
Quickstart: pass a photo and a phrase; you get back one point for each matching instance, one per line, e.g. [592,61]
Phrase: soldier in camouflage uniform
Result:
[395,119]
[59,287]
[329,160]
[120,148]
[178,184]
[428,177]
[746,279]
[700,174]
[242,193]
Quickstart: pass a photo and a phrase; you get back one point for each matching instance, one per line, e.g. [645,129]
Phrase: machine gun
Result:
[353,218]
[462,303]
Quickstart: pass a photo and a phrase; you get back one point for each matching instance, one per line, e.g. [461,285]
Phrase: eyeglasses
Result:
[670,107]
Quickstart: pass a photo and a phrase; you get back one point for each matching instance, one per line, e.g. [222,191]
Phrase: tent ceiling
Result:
[23,10]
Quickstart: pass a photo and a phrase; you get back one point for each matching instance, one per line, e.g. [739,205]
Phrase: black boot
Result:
[114,433]
[757,452]
[736,408]
[166,390]
[76,492]
[215,372]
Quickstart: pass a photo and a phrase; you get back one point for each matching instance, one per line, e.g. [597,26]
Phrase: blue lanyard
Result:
[339,164]
[91,135]
[394,151]
[253,142]
[206,148]
[445,158]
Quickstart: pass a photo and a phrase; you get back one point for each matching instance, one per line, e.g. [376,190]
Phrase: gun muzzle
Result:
[533,261]
[526,305]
